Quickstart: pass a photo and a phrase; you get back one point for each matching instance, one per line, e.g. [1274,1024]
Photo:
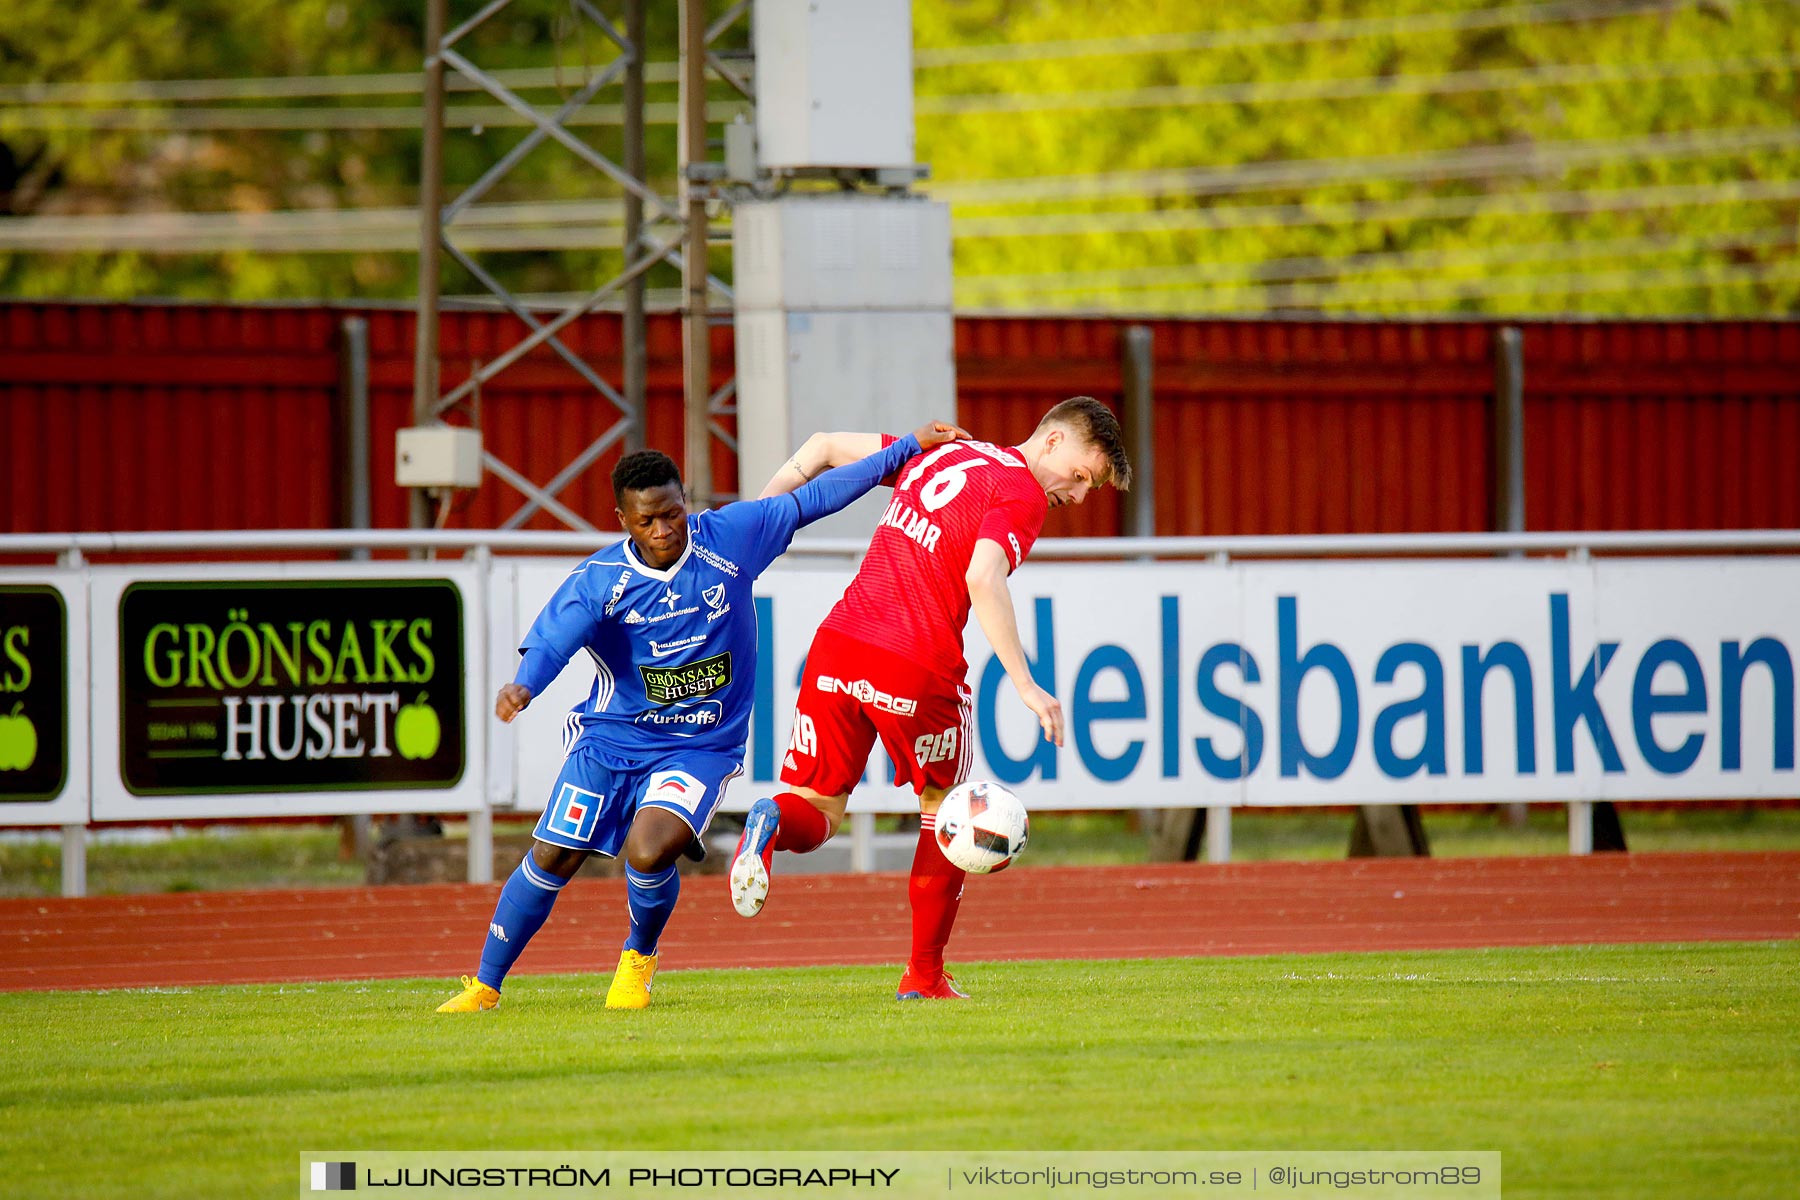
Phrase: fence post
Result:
[353,436]
[1218,833]
[862,842]
[1509,430]
[481,844]
[1581,827]
[1138,384]
[74,860]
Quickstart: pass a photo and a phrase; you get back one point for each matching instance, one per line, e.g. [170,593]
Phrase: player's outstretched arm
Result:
[840,487]
[825,451]
[992,601]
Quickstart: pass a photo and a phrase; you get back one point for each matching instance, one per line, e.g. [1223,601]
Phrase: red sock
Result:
[935,891]
[803,827]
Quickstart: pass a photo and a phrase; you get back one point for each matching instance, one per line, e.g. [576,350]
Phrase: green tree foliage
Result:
[1646,163]
[1374,247]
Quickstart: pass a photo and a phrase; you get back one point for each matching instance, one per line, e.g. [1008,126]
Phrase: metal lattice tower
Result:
[656,230]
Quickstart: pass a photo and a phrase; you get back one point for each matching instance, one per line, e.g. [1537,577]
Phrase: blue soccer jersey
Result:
[675,650]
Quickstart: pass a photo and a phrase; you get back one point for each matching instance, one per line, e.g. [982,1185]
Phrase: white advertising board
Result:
[1333,682]
[277,689]
[43,698]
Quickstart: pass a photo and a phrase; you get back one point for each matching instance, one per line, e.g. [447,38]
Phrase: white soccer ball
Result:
[981,827]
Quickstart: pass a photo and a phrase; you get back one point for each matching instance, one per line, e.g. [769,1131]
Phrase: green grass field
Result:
[1638,1071]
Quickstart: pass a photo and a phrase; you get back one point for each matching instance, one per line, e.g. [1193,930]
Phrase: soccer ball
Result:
[981,827]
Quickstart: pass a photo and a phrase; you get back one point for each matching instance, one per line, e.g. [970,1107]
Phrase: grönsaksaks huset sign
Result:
[34,693]
[294,685]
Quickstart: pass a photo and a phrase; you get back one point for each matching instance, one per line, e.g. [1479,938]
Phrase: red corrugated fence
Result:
[124,417]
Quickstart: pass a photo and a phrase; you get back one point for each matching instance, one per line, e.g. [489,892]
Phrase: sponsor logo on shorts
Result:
[865,692]
[685,721]
[574,812]
[690,681]
[935,747]
[677,789]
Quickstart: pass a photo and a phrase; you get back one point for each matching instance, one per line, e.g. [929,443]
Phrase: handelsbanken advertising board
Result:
[291,685]
[1371,682]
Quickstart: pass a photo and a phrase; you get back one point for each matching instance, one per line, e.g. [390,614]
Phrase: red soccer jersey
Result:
[911,595]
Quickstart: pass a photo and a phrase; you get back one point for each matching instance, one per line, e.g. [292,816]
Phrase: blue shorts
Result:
[595,797]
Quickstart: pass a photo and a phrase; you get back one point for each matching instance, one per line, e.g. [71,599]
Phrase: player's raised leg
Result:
[827,752]
[798,820]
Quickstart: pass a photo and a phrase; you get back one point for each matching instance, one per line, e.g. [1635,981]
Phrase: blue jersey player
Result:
[667,619]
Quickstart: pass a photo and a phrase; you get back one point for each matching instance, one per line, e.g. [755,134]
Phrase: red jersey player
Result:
[888,661]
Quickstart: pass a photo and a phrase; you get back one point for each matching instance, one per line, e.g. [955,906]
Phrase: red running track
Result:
[1047,912]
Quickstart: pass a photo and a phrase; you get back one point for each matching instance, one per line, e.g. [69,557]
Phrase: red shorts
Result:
[853,692]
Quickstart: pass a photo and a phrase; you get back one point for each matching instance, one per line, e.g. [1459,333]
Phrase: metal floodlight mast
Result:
[656,230]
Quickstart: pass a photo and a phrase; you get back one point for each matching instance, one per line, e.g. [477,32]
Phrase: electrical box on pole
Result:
[834,83]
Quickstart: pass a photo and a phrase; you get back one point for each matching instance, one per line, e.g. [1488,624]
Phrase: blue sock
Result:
[525,902]
[652,899]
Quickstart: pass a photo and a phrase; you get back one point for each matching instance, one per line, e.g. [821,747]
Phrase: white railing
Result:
[74,550]
[1057,549]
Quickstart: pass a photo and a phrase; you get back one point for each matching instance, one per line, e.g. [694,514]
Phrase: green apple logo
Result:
[416,730]
[19,742]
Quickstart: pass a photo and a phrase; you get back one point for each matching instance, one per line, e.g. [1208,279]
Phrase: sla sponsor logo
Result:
[865,692]
[685,721]
[691,681]
[936,747]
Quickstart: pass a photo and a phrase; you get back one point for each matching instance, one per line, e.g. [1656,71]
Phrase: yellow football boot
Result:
[476,996]
[631,982]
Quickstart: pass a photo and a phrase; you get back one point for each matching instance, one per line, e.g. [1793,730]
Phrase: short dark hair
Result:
[1095,424]
[643,469]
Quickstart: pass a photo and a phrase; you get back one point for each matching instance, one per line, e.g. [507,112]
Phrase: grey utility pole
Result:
[696,367]
[431,206]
